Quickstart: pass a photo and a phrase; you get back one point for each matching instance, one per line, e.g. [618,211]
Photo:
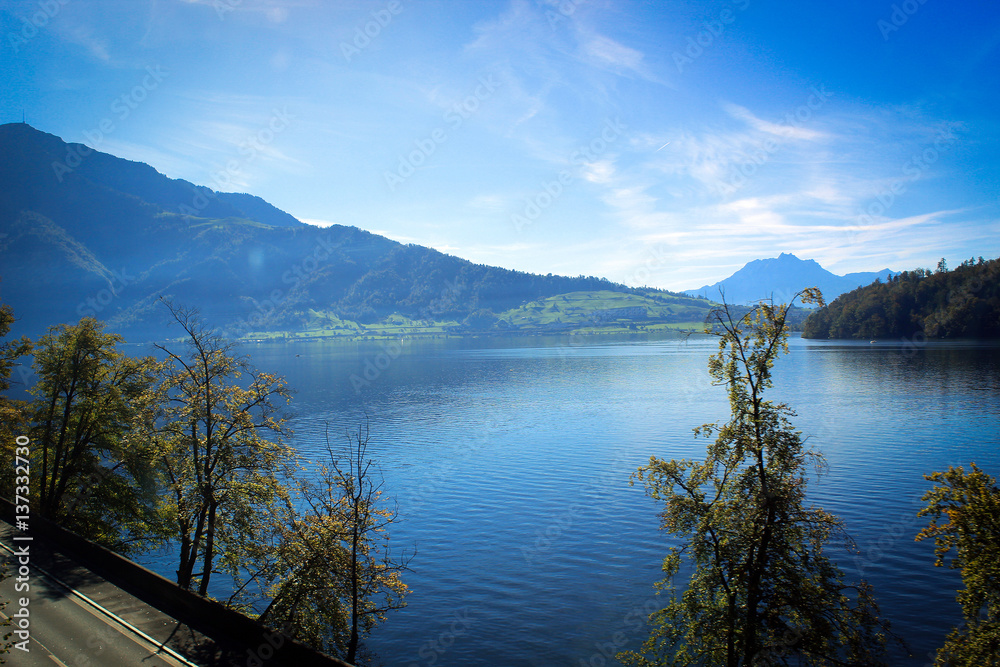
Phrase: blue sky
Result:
[659,143]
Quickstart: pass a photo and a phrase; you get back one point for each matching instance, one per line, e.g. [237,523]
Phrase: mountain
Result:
[783,276]
[86,233]
[915,305]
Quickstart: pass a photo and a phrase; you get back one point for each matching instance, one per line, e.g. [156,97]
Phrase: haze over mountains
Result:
[781,277]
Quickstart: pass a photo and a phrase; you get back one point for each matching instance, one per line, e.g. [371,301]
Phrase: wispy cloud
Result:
[783,130]
[605,53]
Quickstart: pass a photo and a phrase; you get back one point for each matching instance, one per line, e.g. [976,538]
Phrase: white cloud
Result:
[599,171]
[606,52]
[784,130]
[317,222]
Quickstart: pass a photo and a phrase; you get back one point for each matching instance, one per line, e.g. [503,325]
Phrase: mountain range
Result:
[781,277]
[86,233]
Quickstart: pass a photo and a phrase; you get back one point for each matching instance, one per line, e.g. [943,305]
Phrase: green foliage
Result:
[480,320]
[960,303]
[222,450]
[761,591]
[965,511]
[95,467]
[11,350]
[334,576]
[13,414]
[203,428]
[607,307]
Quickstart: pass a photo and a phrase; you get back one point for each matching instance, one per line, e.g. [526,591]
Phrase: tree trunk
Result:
[190,557]
[209,550]
[352,647]
[185,567]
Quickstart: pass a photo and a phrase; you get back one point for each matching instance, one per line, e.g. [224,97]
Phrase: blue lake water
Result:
[510,462]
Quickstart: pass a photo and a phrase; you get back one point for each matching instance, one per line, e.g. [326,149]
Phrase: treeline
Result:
[959,303]
[191,449]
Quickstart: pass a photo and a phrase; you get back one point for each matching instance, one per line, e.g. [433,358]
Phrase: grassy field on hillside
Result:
[593,312]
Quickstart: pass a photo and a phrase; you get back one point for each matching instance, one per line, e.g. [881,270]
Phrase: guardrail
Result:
[210,618]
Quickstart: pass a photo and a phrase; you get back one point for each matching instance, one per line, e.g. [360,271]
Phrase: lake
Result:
[510,460]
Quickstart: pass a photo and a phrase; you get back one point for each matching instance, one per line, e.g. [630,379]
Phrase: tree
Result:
[762,591]
[965,511]
[95,467]
[224,452]
[12,413]
[12,421]
[335,577]
[11,350]
[959,303]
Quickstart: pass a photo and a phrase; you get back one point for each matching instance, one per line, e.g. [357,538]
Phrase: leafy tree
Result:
[965,511]
[11,350]
[335,577]
[94,463]
[223,450]
[762,591]
[480,320]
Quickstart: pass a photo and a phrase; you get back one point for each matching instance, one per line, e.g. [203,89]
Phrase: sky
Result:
[652,143]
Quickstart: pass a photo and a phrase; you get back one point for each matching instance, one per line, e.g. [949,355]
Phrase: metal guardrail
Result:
[210,618]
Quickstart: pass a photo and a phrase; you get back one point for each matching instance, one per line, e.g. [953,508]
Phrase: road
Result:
[77,619]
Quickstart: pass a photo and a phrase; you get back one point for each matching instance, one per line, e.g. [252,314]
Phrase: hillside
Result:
[962,303]
[86,233]
[783,276]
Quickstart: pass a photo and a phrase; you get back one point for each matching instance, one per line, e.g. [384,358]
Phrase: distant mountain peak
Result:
[781,278]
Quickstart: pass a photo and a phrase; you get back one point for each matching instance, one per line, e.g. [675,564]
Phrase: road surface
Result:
[77,619]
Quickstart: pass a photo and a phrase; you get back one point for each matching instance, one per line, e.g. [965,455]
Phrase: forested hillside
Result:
[83,233]
[959,303]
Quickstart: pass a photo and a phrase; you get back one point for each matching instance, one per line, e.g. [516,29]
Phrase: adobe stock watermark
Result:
[294,277]
[121,108]
[223,7]
[374,366]
[454,117]
[432,650]
[248,149]
[550,537]
[273,641]
[364,34]
[656,259]
[750,162]
[550,190]
[707,36]
[563,10]
[442,474]
[912,170]
[94,304]
[900,14]
[888,539]
[957,300]
[632,626]
[47,10]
